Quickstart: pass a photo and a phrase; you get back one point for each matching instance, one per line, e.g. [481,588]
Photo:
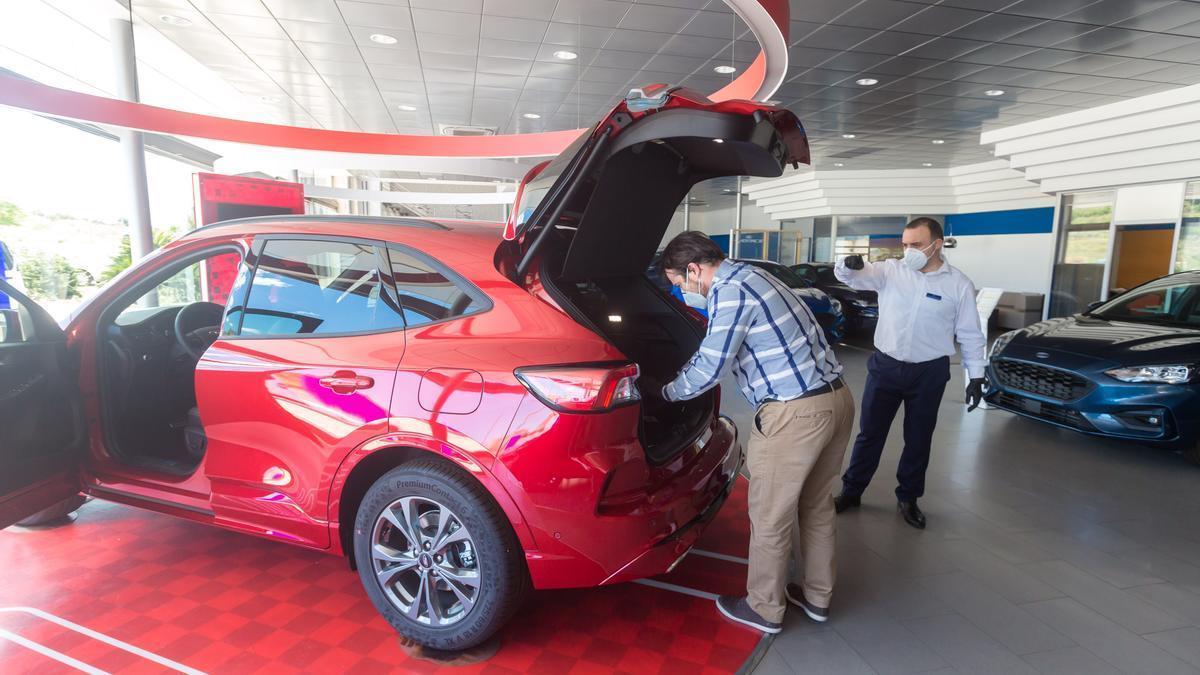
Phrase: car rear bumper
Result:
[641,538]
[664,555]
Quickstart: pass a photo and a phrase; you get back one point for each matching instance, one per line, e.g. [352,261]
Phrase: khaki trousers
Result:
[794,458]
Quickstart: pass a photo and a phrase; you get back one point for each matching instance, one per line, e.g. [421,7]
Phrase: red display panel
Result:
[219,197]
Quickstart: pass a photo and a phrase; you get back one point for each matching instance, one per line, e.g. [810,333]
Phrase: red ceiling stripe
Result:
[40,98]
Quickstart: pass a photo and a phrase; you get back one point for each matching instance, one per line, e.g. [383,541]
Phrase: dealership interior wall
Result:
[1058,141]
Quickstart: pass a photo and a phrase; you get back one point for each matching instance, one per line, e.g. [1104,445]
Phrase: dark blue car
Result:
[1124,369]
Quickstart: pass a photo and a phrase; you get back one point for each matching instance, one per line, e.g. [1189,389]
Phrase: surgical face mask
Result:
[694,299]
[915,258]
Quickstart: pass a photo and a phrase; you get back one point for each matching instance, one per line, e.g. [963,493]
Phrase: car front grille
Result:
[1044,411]
[1053,383]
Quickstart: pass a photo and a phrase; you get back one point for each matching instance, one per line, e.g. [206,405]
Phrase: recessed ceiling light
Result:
[926,164]
[718,140]
[407,108]
[565,55]
[838,164]
[866,82]
[172,20]
[532,116]
[725,70]
[937,141]
[269,99]
[994,92]
[383,39]
[849,135]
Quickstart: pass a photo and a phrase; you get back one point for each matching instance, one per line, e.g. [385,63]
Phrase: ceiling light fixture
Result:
[177,21]
[383,39]
[407,108]
[565,55]
[718,140]
[994,92]
[838,164]
[926,164]
[269,99]
[849,135]
[532,116]
[866,82]
[725,70]
[937,141]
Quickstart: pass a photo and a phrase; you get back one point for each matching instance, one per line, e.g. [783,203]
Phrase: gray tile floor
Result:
[1046,552]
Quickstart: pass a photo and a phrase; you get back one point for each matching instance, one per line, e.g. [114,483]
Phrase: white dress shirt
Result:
[922,314]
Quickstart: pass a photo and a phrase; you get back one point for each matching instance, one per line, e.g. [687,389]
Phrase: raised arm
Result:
[861,274]
[727,325]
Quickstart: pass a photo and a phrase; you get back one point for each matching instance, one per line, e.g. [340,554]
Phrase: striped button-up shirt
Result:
[763,331]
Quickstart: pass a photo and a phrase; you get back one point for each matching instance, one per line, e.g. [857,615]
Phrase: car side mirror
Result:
[10,326]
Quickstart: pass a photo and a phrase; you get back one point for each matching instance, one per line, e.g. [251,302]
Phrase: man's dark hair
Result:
[690,247]
[935,228]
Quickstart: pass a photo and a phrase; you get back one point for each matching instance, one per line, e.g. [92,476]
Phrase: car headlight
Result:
[1161,374]
[1002,342]
[836,305]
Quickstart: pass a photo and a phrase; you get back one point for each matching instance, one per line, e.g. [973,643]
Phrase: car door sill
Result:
[132,499]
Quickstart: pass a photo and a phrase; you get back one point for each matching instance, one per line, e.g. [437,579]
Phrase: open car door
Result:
[42,429]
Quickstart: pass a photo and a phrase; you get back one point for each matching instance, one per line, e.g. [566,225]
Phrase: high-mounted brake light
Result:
[590,388]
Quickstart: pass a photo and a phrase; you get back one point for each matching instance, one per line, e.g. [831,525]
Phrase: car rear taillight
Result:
[582,388]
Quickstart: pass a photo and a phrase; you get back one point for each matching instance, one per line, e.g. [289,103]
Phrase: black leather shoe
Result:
[845,501]
[912,514]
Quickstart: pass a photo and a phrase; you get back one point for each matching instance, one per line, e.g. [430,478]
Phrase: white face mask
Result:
[915,258]
[694,299]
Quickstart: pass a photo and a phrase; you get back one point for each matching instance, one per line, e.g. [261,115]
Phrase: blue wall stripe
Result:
[1017,221]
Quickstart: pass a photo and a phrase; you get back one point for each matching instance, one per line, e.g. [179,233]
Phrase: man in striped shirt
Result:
[766,335]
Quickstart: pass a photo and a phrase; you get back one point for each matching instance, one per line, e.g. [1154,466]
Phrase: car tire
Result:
[476,576]
[59,514]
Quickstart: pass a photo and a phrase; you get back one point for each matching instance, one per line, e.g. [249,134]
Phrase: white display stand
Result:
[986,301]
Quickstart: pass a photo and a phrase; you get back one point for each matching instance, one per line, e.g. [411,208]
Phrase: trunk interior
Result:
[650,329]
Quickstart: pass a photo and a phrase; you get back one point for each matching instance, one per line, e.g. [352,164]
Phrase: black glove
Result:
[974,393]
[854,262]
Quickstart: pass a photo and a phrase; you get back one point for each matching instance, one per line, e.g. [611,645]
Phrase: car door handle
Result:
[346,382]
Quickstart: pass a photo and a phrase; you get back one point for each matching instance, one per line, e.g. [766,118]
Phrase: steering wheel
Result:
[197,326]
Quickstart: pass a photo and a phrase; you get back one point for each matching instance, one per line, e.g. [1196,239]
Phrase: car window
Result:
[826,275]
[193,283]
[427,294]
[1162,304]
[785,274]
[311,287]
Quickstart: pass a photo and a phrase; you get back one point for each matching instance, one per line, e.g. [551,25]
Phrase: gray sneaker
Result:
[795,595]
[739,610]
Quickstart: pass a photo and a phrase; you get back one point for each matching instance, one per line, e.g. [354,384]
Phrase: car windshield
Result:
[784,274]
[826,275]
[1166,303]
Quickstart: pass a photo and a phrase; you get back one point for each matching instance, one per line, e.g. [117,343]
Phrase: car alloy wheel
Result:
[424,559]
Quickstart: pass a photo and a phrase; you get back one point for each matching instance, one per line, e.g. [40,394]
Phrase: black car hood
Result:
[1134,343]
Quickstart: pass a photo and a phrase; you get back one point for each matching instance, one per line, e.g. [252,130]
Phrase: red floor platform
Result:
[125,590]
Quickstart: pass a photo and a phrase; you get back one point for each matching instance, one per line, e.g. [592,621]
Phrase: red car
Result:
[463,415]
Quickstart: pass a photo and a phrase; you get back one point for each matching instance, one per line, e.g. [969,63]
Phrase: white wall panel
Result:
[1014,262]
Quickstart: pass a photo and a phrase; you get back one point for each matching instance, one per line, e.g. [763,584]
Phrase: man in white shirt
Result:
[925,305]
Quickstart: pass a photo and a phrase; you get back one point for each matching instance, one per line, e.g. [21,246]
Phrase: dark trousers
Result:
[919,386]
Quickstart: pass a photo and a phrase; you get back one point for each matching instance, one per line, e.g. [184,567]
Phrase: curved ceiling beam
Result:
[767,19]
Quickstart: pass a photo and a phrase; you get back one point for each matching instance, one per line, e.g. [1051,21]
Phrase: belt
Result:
[827,388]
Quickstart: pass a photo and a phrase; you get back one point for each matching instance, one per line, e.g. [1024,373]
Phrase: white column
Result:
[687,211]
[133,149]
[374,208]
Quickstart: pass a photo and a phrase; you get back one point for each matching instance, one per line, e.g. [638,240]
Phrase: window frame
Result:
[484,302]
